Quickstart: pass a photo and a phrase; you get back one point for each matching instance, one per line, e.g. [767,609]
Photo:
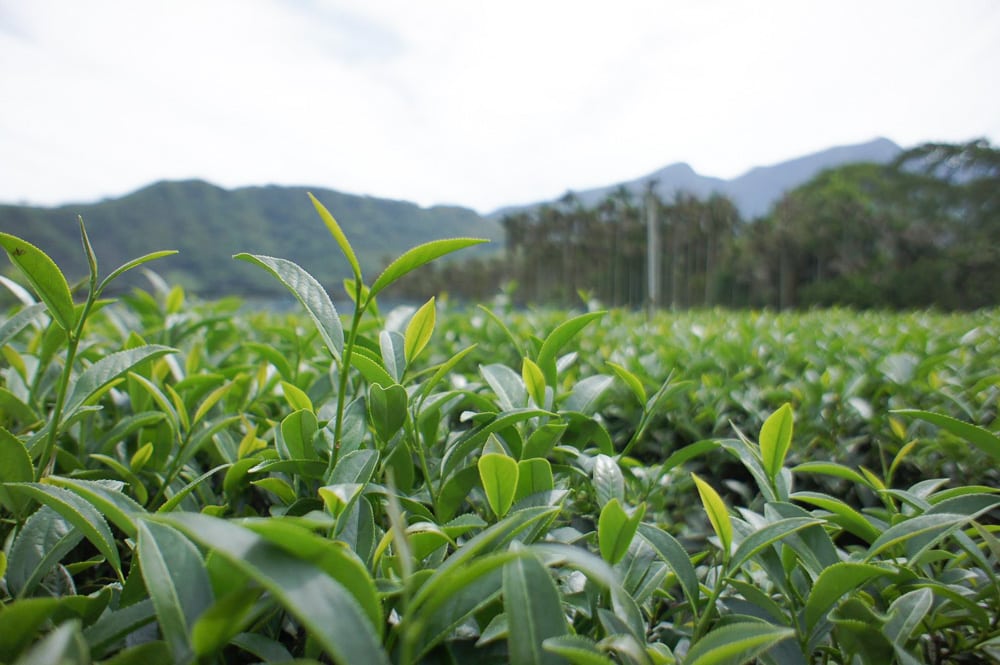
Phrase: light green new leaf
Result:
[833,583]
[534,381]
[45,278]
[310,293]
[295,396]
[338,235]
[533,475]
[717,514]
[297,431]
[557,339]
[632,381]
[775,439]
[736,643]
[983,439]
[321,604]
[106,370]
[79,513]
[177,581]
[418,256]
[499,474]
[534,611]
[419,330]
[615,530]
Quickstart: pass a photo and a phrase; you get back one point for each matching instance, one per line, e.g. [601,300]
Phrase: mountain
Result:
[754,192]
[208,224]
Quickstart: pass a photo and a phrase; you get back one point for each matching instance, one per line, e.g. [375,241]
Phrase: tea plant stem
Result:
[73,343]
[345,366]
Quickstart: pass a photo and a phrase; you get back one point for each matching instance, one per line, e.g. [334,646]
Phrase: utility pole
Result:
[652,250]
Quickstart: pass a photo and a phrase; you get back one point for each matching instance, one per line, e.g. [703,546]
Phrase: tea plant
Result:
[194,483]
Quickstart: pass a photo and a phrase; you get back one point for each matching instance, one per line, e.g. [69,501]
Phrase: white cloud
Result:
[482,104]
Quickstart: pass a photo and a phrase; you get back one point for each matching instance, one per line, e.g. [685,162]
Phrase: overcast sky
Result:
[481,104]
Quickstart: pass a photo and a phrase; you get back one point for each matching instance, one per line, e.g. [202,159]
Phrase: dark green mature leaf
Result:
[310,293]
[45,278]
[586,393]
[674,555]
[507,385]
[609,483]
[19,322]
[41,543]
[768,535]
[942,523]
[106,370]
[65,644]
[534,611]
[105,496]
[387,409]
[833,583]
[843,515]
[178,583]
[15,467]
[983,439]
[79,513]
[736,643]
[418,256]
[327,610]
[338,235]
[577,649]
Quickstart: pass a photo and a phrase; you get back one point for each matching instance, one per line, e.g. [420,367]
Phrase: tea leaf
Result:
[983,439]
[615,530]
[45,278]
[307,291]
[557,339]
[534,382]
[338,235]
[321,604]
[534,611]
[177,581]
[418,256]
[134,263]
[499,474]
[15,467]
[79,513]
[632,381]
[106,370]
[609,483]
[533,476]
[833,583]
[736,643]
[775,439]
[717,514]
[419,330]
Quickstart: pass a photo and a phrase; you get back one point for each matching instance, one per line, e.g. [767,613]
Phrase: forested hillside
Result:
[923,231]
[209,224]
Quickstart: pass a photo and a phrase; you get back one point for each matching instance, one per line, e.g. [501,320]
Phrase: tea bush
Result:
[193,482]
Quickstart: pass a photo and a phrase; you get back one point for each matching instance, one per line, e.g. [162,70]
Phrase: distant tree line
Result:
[923,231]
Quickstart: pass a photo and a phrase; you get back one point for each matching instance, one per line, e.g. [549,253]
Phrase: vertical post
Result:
[652,252]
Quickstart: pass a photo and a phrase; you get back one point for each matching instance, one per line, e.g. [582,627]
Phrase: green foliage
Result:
[185,481]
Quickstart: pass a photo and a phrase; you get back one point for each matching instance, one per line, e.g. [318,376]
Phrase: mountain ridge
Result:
[209,223]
